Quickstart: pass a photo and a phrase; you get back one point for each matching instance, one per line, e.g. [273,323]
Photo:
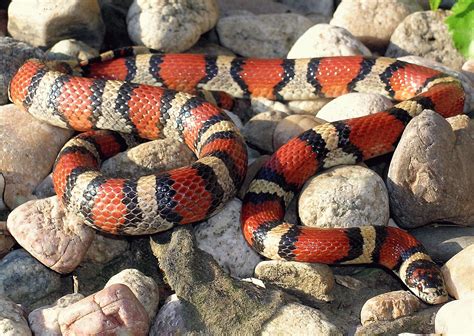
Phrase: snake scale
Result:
[108,97]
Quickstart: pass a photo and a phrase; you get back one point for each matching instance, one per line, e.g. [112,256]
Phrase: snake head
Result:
[424,278]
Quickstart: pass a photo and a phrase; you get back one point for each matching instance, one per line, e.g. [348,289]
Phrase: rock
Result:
[455,317]
[45,22]
[252,170]
[430,179]
[324,40]
[145,288]
[323,7]
[302,279]
[267,35]
[3,22]
[301,320]
[170,26]
[221,237]
[252,6]
[458,274]
[171,319]
[258,131]
[443,242]
[260,105]
[344,196]
[45,188]
[111,311]
[209,49]
[12,319]
[114,14]
[39,150]
[14,54]
[353,105]
[425,34]
[42,228]
[389,306]
[6,240]
[292,126]
[44,320]
[149,158]
[105,248]
[468,66]
[71,48]
[372,22]
[25,280]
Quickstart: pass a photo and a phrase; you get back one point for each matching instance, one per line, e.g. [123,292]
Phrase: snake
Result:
[123,95]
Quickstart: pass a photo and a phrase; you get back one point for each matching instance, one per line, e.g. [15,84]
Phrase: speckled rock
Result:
[71,49]
[6,240]
[458,273]
[353,105]
[105,248]
[44,320]
[430,178]
[313,281]
[345,196]
[42,228]
[111,311]
[149,158]
[170,26]
[455,318]
[221,236]
[389,306]
[25,280]
[14,54]
[12,319]
[301,320]
[267,35]
[39,150]
[372,22]
[425,34]
[324,40]
[170,318]
[145,288]
[258,131]
[44,22]
[292,126]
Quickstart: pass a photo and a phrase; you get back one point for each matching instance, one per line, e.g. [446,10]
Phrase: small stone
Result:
[425,34]
[42,228]
[111,311]
[170,26]
[292,126]
[468,66]
[455,318]
[71,49]
[105,248]
[353,105]
[258,131]
[373,22]
[12,319]
[145,288]
[223,230]
[324,40]
[267,35]
[170,320]
[344,196]
[311,280]
[44,320]
[389,306]
[44,22]
[458,274]
[301,320]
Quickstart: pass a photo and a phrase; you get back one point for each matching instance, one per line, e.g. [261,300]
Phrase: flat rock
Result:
[44,22]
[310,280]
[145,288]
[221,237]
[12,319]
[42,228]
[44,320]
[455,317]
[430,178]
[425,34]
[111,311]
[458,273]
[39,150]
[389,306]
[344,196]
[266,35]
[71,49]
[170,26]
[324,40]
[372,22]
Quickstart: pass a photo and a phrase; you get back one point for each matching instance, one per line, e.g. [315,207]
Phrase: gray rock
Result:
[258,131]
[12,319]
[172,317]
[425,34]
[105,248]
[307,7]
[430,177]
[227,7]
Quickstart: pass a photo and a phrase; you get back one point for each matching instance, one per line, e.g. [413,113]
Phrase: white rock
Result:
[456,318]
[72,48]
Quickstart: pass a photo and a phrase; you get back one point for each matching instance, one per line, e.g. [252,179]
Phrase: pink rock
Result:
[112,311]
